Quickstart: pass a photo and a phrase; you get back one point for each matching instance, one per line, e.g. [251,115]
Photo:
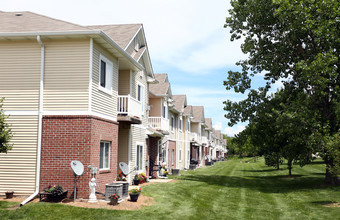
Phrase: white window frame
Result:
[172,123]
[141,95]
[180,156]
[180,122]
[108,74]
[102,166]
[139,156]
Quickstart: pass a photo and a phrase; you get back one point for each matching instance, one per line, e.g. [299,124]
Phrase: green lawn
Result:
[227,190]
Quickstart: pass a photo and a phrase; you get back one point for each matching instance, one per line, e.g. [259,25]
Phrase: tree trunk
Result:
[329,177]
[290,166]
[278,162]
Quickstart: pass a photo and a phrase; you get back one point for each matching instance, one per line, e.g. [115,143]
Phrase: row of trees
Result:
[297,44]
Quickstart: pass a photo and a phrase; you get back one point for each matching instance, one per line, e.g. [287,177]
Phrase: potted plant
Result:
[114,199]
[55,193]
[136,180]
[9,194]
[134,194]
[121,177]
[142,178]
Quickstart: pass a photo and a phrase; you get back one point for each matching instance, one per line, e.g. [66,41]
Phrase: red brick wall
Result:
[67,138]
[153,155]
[172,146]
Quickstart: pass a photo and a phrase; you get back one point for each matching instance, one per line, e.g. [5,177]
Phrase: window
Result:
[106,73]
[139,159]
[180,155]
[172,123]
[104,155]
[140,95]
[164,111]
[188,125]
[180,124]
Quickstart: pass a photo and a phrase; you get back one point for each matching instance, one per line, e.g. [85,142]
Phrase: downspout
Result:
[41,95]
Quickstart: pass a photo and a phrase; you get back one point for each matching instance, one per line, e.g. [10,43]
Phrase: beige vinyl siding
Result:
[20,75]
[140,78]
[124,82]
[66,79]
[137,136]
[18,166]
[156,107]
[103,102]
[123,145]
[131,49]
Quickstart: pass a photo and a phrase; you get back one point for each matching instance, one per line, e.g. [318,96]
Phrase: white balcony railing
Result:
[204,140]
[193,136]
[129,105]
[159,123]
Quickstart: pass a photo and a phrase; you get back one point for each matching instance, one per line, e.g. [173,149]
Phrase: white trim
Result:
[109,156]
[108,74]
[127,46]
[130,163]
[90,75]
[130,89]
[76,113]
[142,156]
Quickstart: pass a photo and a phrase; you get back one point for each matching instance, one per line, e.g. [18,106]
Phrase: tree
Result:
[5,132]
[297,43]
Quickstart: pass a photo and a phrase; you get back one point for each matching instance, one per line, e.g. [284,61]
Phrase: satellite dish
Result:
[124,167]
[77,167]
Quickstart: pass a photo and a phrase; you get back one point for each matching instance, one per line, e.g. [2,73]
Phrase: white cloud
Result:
[218,126]
[232,131]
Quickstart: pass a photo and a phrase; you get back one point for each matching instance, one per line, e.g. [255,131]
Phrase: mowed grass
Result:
[227,190]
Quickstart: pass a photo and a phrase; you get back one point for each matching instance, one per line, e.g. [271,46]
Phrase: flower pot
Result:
[113,201]
[134,197]
[136,182]
[9,194]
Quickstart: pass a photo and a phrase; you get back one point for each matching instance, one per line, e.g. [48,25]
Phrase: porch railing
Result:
[129,105]
[159,123]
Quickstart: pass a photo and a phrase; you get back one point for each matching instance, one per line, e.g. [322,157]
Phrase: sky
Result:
[186,39]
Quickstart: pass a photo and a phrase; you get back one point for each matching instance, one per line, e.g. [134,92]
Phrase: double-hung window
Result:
[140,95]
[104,155]
[172,123]
[139,155]
[105,74]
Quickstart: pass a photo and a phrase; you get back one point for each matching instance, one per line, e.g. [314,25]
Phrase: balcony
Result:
[129,109]
[194,137]
[159,123]
[204,140]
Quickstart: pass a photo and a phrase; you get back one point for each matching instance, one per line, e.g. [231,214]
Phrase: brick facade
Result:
[68,138]
[153,155]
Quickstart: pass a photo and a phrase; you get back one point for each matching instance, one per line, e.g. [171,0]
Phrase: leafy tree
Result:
[5,131]
[297,43]
[333,147]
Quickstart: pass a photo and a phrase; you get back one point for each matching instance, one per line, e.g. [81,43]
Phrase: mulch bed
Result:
[125,205]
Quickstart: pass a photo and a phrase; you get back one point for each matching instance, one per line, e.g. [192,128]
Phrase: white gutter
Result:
[41,98]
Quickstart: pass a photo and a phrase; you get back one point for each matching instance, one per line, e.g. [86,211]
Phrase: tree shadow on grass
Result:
[267,184]
[260,171]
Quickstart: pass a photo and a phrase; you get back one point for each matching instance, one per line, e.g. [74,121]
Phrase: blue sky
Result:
[186,39]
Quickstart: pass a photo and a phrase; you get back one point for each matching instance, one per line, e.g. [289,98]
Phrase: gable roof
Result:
[162,77]
[180,102]
[198,113]
[208,122]
[27,25]
[122,34]
[162,88]
[188,110]
[14,22]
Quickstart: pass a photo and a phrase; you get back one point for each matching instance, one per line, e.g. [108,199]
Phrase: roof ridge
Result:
[45,16]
